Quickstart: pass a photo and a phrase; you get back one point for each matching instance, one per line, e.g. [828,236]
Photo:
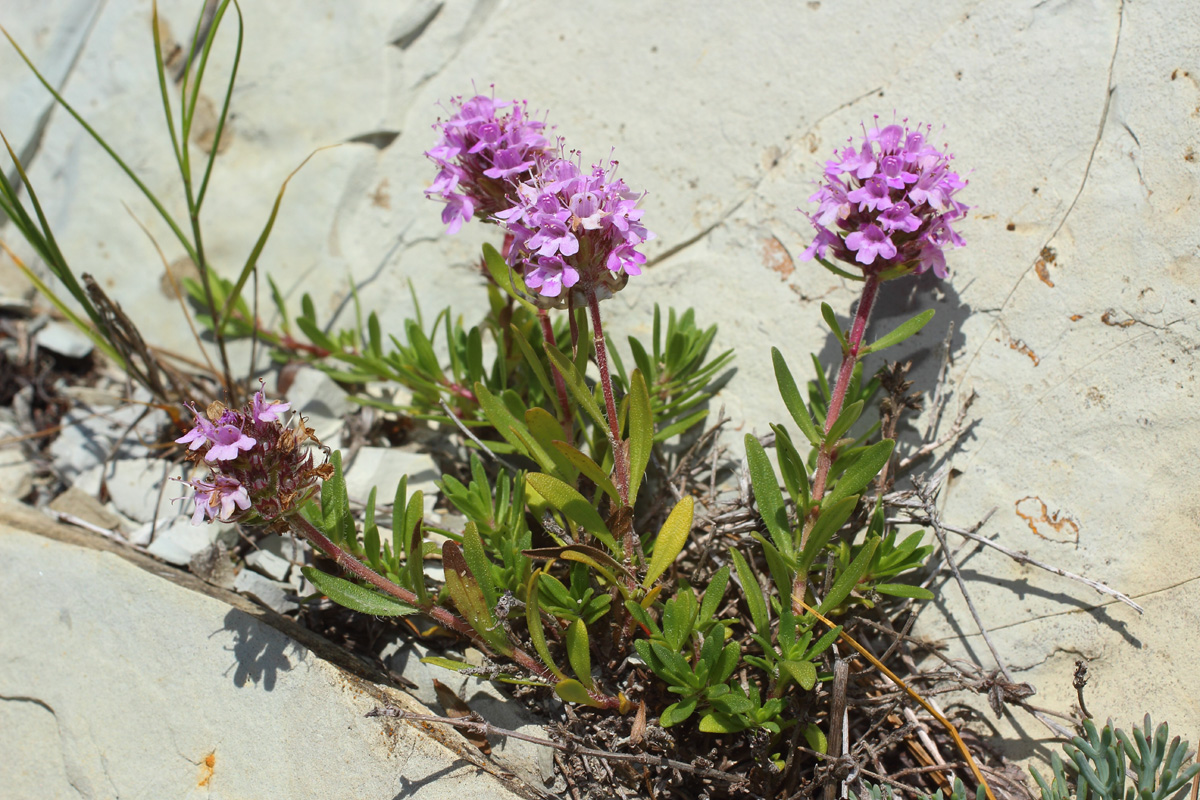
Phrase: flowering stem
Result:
[854,345]
[443,616]
[620,454]
[560,386]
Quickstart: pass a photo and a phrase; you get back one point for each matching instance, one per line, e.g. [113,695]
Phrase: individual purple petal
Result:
[899,218]
[869,243]
[872,196]
[228,441]
[262,410]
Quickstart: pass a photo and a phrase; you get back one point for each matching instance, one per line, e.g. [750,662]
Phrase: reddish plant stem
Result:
[857,329]
[620,454]
[443,616]
[560,386]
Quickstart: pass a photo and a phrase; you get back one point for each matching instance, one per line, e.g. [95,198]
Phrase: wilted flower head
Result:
[575,230]
[887,206]
[260,470]
[480,154]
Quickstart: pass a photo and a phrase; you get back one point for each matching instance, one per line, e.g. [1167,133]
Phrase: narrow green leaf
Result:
[477,561]
[572,691]
[371,533]
[902,332]
[576,384]
[831,321]
[792,399]
[714,593]
[546,431]
[838,271]
[848,417]
[535,366]
[469,600]
[767,495]
[573,505]
[533,621]
[641,432]
[507,279]
[804,673]
[793,469]
[753,594]
[589,468]
[860,474]
[677,712]
[903,590]
[848,580]
[685,424]
[832,518]
[355,597]
[670,540]
[815,738]
[719,722]
[579,653]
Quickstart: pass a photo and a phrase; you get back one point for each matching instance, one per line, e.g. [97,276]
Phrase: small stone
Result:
[212,565]
[79,503]
[272,594]
[134,488]
[178,542]
[64,339]
[91,434]
[16,473]
[269,564]
[383,467]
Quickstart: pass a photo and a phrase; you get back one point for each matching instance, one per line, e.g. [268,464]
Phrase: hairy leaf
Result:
[355,597]
[670,541]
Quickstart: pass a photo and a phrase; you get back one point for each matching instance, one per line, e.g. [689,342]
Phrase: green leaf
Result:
[831,321]
[718,722]
[815,738]
[753,593]
[589,468]
[687,423]
[670,540]
[533,620]
[579,653]
[573,505]
[641,432]
[714,593]
[837,271]
[792,399]
[803,673]
[860,474]
[832,518]
[506,278]
[355,597]
[469,600]
[546,431]
[845,583]
[793,469]
[576,385]
[477,561]
[903,590]
[767,494]
[847,418]
[535,365]
[677,712]
[572,691]
[902,332]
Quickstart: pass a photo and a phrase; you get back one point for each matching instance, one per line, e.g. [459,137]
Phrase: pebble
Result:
[272,594]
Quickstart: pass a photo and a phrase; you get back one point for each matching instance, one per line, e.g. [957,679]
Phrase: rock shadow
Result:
[259,651]
[409,787]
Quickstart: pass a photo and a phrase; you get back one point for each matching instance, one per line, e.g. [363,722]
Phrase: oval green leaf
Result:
[355,597]
[670,541]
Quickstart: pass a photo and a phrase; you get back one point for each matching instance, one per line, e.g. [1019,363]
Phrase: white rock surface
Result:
[272,594]
[177,541]
[269,564]
[95,432]
[1078,125]
[64,339]
[135,488]
[16,473]
[383,467]
[170,693]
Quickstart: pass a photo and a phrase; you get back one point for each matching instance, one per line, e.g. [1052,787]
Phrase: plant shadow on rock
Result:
[259,652]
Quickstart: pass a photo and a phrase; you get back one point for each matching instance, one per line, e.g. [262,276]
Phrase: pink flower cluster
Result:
[258,469]
[575,230]
[480,154]
[892,202]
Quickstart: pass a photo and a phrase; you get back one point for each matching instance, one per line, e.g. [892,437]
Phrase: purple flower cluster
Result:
[575,230]
[480,155]
[258,468]
[892,202]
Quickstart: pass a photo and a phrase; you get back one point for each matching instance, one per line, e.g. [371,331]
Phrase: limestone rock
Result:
[272,594]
